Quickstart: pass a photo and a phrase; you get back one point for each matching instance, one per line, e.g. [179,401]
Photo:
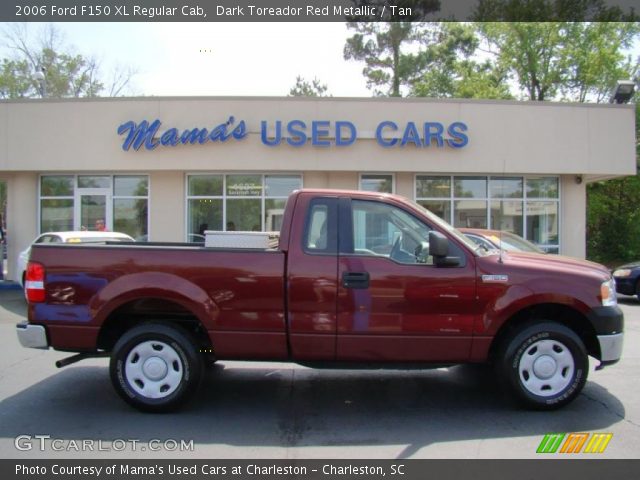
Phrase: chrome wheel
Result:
[546,368]
[154,369]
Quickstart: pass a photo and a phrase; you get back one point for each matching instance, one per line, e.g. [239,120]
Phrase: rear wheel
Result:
[155,367]
[545,365]
[638,289]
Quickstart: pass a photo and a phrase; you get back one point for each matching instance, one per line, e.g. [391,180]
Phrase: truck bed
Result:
[237,294]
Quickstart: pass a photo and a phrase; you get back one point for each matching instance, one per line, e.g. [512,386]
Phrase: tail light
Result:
[34,282]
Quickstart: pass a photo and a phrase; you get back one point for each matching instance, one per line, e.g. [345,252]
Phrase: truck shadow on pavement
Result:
[248,405]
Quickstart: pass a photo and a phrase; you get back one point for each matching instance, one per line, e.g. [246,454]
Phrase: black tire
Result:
[158,350]
[544,364]
[638,289]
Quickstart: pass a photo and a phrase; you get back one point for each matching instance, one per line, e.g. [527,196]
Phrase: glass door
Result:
[93,209]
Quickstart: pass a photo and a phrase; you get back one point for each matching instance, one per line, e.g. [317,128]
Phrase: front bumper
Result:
[32,336]
[610,347]
[608,323]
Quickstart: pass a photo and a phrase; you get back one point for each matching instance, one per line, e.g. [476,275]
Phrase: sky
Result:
[220,58]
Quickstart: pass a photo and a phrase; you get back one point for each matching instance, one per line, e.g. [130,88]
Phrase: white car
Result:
[68,237]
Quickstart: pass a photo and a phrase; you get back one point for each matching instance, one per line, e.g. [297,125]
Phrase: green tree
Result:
[305,88]
[46,67]
[613,216]
[385,48]
[569,60]
[551,10]
[452,70]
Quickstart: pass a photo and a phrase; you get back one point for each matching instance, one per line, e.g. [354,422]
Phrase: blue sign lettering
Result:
[379,134]
[458,139]
[345,141]
[146,134]
[432,134]
[296,133]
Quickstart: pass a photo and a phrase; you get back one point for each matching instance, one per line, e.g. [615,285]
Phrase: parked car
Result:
[628,279]
[496,239]
[357,278]
[67,237]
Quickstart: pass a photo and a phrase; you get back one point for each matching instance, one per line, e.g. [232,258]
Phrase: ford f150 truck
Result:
[358,279]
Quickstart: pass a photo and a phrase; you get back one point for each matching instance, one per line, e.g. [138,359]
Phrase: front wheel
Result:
[545,365]
[155,367]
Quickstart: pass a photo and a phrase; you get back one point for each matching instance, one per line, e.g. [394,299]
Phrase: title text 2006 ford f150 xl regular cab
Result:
[357,279]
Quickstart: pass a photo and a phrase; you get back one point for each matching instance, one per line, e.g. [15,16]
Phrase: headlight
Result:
[623,272]
[608,293]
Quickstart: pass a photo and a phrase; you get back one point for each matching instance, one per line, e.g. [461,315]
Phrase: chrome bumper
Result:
[32,336]
[610,347]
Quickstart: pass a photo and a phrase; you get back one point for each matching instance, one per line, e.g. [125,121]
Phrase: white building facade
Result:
[166,169]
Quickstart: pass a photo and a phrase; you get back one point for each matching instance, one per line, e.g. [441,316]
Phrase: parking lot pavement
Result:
[277,410]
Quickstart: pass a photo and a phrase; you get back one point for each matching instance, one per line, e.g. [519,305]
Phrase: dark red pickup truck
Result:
[358,279]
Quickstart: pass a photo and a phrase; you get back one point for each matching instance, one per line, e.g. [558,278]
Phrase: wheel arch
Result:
[562,314]
[151,308]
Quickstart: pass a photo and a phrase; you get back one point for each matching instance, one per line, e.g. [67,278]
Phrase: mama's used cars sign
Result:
[296,133]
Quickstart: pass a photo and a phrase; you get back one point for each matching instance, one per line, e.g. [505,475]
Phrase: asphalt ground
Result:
[284,411]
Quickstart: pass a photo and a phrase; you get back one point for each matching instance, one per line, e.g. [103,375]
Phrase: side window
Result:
[321,227]
[383,230]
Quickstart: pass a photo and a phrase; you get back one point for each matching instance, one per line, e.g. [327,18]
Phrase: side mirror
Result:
[439,249]
[438,244]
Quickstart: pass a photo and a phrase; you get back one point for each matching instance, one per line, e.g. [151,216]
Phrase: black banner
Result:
[583,469]
[315,10]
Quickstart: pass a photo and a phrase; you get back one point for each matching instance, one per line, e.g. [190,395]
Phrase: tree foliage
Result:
[573,61]
[306,88]
[613,216]
[46,67]
[451,69]
[385,48]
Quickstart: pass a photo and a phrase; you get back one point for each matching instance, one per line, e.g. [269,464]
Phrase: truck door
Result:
[312,279]
[394,304]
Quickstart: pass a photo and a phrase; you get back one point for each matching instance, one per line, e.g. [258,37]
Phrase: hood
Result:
[556,262]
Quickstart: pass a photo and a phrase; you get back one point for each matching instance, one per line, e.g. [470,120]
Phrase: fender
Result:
[154,285]
[516,299]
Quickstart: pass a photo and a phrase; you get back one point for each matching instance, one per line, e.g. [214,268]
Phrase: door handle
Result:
[356,280]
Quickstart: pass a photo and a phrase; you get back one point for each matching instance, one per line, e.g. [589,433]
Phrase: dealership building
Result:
[168,168]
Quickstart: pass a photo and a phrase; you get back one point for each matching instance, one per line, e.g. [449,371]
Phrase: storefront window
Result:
[56,203]
[470,213]
[433,187]
[505,187]
[56,186]
[241,202]
[204,214]
[470,187]
[507,215]
[94,181]
[542,223]
[526,206]
[130,205]
[75,202]
[56,215]
[441,208]
[130,217]
[206,185]
[376,183]
[542,187]
[130,186]
[244,185]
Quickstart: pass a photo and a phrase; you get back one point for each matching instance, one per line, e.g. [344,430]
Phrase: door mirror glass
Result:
[439,249]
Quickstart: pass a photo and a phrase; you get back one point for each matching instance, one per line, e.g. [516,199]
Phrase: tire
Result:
[544,364]
[156,367]
[638,289]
